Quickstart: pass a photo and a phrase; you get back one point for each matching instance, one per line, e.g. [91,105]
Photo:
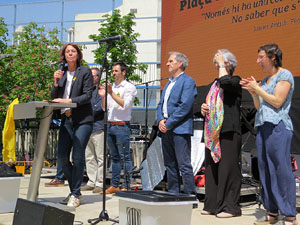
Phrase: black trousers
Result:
[223,179]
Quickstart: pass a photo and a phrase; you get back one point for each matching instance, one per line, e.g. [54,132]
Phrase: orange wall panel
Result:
[198,28]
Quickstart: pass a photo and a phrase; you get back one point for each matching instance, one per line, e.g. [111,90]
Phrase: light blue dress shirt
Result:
[268,113]
[167,95]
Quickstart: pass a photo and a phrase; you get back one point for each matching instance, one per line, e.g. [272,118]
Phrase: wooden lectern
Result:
[28,111]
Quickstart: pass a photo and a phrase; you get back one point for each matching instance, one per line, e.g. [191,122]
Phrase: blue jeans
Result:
[177,159]
[273,144]
[59,172]
[73,137]
[118,138]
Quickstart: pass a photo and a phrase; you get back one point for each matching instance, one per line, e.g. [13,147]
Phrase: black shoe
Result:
[66,200]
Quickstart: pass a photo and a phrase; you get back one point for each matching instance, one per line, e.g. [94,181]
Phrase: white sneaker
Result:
[66,200]
[73,201]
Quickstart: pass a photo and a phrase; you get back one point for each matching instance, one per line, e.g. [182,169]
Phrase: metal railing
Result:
[26,141]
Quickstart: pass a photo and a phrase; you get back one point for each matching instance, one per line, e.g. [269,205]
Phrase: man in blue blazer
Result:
[175,123]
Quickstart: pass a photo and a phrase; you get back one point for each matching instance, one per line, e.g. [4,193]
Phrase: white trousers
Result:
[94,159]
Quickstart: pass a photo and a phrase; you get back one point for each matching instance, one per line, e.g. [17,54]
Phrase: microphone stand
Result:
[5,55]
[103,216]
[146,114]
[37,84]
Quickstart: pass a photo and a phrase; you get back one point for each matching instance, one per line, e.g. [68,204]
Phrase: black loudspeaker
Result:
[32,213]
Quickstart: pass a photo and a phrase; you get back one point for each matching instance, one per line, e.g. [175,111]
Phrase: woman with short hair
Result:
[222,137]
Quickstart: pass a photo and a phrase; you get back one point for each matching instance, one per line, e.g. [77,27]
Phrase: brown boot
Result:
[55,183]
[97,189]
[86,188]
[111,190]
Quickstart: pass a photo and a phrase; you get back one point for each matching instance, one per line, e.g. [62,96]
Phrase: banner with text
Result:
[198,28]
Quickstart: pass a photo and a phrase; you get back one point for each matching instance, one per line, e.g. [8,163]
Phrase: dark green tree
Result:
[123,50]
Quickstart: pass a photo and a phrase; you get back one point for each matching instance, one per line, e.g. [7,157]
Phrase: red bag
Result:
[200,180]
[294,163]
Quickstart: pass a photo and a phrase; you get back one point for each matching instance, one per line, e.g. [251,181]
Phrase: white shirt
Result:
[167,95]
[127,92]
[67,91]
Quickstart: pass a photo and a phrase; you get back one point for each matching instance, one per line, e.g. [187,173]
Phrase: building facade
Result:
[148,25]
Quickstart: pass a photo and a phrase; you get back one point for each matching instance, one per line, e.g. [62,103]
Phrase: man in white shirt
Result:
[120,98]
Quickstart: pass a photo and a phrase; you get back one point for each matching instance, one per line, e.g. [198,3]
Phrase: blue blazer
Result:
[179,105]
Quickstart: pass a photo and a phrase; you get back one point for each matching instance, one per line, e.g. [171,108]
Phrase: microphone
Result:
[113,38]
[152,81]
[61,67]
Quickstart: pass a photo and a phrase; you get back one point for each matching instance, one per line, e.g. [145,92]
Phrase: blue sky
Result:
[49,12]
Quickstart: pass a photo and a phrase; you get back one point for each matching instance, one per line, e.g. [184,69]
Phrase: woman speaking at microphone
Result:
[73,84]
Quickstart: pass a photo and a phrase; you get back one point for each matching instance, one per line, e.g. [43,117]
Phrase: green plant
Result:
[123,50]
[28,73]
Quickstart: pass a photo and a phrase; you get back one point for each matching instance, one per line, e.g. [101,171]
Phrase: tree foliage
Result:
[3,35]
[123,50]
[28,73]
[3,44]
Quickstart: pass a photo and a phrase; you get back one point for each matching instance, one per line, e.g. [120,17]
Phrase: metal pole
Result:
[103,216]
[146,119]
[62,21]
[15,20]
[113,6]
[39,152]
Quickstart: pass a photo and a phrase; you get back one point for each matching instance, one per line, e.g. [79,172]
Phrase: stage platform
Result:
[250,187]
[245,190]
[92,205]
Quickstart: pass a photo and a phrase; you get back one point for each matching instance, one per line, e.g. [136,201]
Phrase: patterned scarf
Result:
[214,120]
